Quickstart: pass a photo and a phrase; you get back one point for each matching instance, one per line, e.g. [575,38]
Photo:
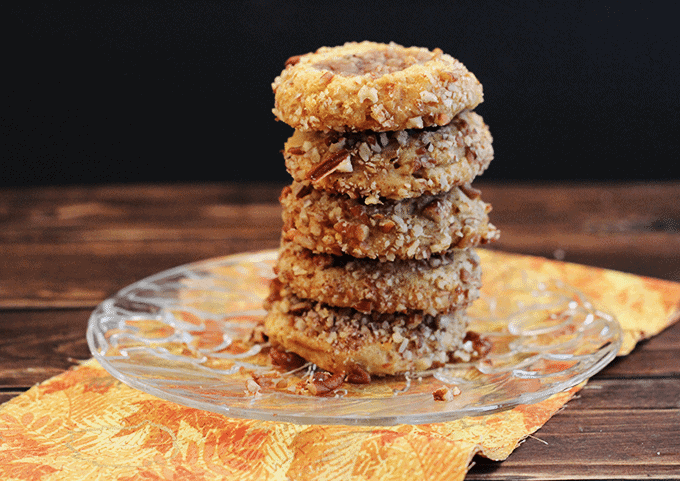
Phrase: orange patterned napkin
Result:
[84,424]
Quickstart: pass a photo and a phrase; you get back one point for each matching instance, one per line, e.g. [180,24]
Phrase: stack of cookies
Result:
[377,263]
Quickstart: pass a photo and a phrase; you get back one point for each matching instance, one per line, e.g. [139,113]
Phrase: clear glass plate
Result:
[183,335]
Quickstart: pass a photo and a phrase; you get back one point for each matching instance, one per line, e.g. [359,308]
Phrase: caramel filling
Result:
[375,62]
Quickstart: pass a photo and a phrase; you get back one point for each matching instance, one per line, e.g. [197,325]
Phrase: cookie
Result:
[373,86]
[408,229]
[337,339]
[440,284]
[392,165]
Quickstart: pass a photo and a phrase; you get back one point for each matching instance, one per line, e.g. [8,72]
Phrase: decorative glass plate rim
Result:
[309,411]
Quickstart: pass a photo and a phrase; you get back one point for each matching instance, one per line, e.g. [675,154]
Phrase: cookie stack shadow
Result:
[377,265]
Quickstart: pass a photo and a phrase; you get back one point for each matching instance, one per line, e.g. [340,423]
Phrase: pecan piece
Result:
[442,119]
[433,211]
[285,192]
[327,77]
[417,166]
[481,345]
[465,275]
[292,60]
[358,375]
[468,241]
[298,308]
[328,165]
[304,191]
[285,359]
[445,394]
[359,214]
[470,191]
[356,233]
[470,154]
[295,151]
[324,382]
[363,305]
[387,226]
[447,77]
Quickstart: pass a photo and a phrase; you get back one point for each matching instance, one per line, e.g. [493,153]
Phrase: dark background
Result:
[181,91]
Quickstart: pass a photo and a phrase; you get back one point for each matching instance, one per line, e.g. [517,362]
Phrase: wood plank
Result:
[656,255]
[628,394]
[72,231]
[598,212]
[138,222]
[140,194]
[573,221]
[655,357]
[536,201]
[73,247]
[579,208]
[84,274]
[593,207]
[669,340]
[36,345]
[645,362]
[599,444]
[6,395]
[592,224]
[83,278]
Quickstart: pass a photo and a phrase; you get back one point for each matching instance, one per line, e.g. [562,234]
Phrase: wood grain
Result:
[65,249]
[36,345]
[78,275]
[629,227]
[600,444]
[73,247]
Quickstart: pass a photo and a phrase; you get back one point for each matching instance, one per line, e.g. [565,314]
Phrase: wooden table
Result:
[65,249]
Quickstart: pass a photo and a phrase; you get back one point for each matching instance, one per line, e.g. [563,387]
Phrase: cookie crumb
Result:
[445,394]
[252,387]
